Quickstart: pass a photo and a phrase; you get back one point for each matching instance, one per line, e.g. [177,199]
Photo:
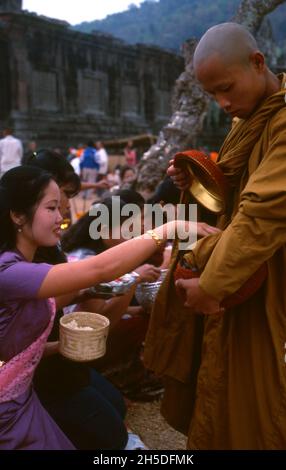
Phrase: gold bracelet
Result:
[155,237]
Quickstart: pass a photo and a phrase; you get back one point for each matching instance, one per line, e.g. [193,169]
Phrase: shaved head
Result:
[230,41]
[230,67]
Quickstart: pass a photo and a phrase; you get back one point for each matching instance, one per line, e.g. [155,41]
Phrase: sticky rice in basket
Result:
[83,336]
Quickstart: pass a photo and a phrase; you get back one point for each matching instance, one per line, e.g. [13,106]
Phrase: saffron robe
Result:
[226,375]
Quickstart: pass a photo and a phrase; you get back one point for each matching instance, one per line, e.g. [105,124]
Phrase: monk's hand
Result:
[181,178]
[196,299]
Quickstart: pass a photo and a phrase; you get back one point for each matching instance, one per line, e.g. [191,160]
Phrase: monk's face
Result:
[237,88]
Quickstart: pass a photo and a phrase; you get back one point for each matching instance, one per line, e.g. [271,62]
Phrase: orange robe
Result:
[226,375]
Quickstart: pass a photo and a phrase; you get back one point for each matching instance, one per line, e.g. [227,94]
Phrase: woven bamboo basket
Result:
[83,345]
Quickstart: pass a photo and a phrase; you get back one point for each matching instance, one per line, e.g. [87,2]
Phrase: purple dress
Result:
[24,423]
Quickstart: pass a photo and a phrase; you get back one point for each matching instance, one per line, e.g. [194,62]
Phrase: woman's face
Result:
[45,228]
[129,176]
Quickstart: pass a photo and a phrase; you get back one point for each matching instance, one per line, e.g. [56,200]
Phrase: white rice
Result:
[74,326]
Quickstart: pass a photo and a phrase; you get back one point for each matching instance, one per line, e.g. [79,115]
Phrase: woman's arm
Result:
[113,309]
[51,348]
[67,299]
[113,263]
[77,297]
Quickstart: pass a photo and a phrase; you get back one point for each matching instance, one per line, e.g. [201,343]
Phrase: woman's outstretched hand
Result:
[204,229]
[184,228]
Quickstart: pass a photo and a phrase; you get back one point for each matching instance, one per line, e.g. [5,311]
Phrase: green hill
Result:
[168,23]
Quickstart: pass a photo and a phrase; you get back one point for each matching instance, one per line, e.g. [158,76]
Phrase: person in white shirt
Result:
[103,158]
[11,151]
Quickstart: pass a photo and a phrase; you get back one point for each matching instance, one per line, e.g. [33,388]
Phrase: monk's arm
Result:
[259,228]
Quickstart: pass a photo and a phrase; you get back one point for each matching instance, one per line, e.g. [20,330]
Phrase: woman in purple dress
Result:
[29,292]
[25,319]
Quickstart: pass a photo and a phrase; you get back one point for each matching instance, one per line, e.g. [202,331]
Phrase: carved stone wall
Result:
[61,87]
[10,5]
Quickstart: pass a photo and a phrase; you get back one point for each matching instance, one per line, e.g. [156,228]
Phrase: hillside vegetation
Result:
[168,23]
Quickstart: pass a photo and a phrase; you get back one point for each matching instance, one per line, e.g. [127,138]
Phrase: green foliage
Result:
[168,23]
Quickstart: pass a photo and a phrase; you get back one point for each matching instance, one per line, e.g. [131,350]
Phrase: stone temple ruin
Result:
[61,87]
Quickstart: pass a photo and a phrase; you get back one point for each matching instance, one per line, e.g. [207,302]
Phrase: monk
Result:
[225,373]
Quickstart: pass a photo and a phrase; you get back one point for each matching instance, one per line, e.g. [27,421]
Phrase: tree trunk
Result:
[251,13]
[190,103]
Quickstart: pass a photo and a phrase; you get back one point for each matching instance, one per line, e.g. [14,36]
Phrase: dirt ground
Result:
[145,419]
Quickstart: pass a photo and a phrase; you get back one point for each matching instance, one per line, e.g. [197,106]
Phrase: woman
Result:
[25,320]
[127,177]
[30,218]
[130,154]
[87,407]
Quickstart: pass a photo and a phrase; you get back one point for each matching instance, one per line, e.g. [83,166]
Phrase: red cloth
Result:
[241,295]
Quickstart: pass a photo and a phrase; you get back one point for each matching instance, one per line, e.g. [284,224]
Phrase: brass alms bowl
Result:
[208,184]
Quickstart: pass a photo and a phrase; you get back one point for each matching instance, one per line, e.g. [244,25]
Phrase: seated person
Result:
[127,177]
[127,332]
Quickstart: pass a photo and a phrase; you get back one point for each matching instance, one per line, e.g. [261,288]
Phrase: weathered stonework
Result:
[11,5]
[61,87]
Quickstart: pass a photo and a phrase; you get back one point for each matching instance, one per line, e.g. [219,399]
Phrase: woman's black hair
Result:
[130,196]
[77,236]
[61,170]
[166,192]
[21,189]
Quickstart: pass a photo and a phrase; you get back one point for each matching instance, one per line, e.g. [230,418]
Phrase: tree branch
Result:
[251,13]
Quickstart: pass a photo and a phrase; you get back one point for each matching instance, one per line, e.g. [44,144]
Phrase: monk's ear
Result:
[257,60]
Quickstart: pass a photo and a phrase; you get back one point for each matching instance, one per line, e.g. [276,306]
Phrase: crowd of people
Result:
[223,369]
[88,409]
